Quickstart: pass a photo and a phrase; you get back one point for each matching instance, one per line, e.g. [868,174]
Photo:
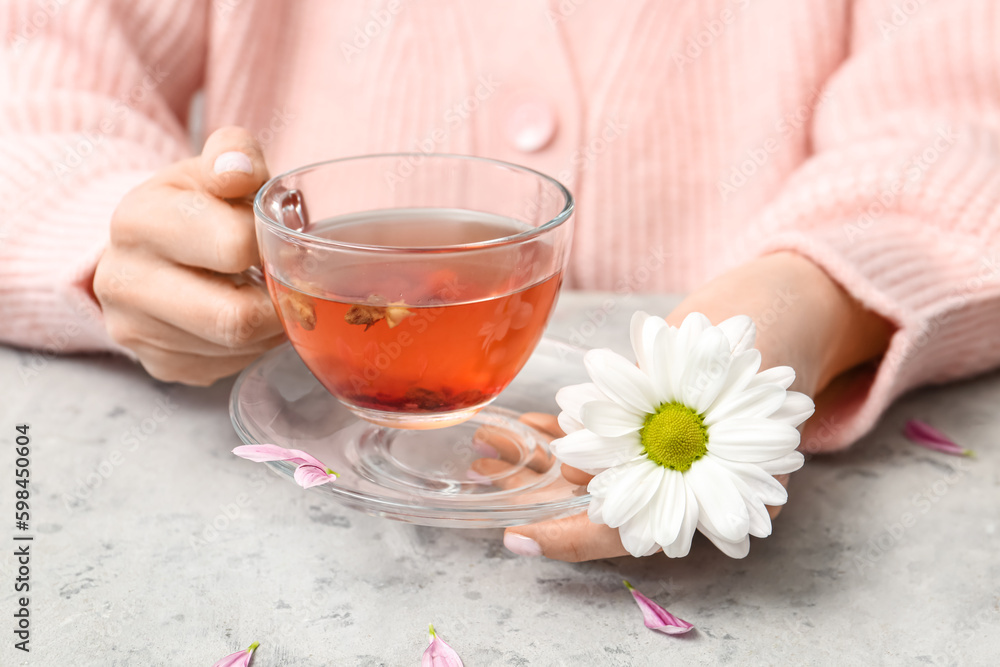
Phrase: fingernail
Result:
[233,161]
[521,545]
[484,450]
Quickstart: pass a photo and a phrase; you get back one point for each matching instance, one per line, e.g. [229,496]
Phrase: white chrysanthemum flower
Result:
[689,438]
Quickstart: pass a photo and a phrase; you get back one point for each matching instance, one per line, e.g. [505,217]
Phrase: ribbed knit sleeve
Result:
[94,99]
[900,202]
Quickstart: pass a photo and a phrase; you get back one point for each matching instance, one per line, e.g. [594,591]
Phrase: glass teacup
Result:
[414,287]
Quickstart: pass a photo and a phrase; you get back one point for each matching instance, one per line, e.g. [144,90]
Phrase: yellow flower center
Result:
[675,436]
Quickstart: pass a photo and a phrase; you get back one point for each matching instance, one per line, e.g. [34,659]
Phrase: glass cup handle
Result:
[294,215]
[252,276]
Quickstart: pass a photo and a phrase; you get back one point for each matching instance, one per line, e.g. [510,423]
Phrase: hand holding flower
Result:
[808,323]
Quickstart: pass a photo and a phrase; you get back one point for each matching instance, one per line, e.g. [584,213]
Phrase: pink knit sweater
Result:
[862,134]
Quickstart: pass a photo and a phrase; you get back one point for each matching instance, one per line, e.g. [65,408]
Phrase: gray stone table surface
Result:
[156,546]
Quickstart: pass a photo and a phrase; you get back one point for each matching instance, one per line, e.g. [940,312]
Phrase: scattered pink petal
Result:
[439,654]
[263,453]
[308,476]
[925,435]
[656,617]
[238,659]
[310,471]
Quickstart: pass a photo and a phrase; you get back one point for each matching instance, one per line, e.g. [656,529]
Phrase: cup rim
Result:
[520,237]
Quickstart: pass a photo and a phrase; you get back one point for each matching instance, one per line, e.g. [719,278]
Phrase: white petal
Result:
[651,328]
[667,507]
[637,534]
[599,485]
[635,335]
[760,401]
[760,484]
[643,332]
[721,506]
[782,375]
[796,409]
[741,333]
[572,398]
[782,465]
[620,380]
[610,419]
[630,493]
[737,549]
[589,451]
[675,365]
[691,329]
[741,372]
[760,520]
[594,510]
[682,545]
[684,341]
[568,423]
[706,372]
[660,360]
[751,440]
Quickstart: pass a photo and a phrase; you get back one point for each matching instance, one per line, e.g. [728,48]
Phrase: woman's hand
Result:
[571,539]
[804,320]
[160,282]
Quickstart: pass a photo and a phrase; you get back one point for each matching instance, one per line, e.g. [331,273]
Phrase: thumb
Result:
[232,164]
[573,538]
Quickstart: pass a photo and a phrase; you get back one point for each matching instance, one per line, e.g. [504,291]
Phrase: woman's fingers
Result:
[576,476]
[506,450]
[164,335]
[492,440]
[549,425]
[543,422]
[188,227]
[496,443]
[209,234]
[207,306]
[158,281]
[191,369]
[231,165]
[495,471]
[573,539]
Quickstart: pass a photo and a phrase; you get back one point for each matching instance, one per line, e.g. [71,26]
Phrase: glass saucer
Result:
[419,477]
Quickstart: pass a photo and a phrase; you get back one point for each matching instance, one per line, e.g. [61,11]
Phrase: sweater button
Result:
[531,125]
